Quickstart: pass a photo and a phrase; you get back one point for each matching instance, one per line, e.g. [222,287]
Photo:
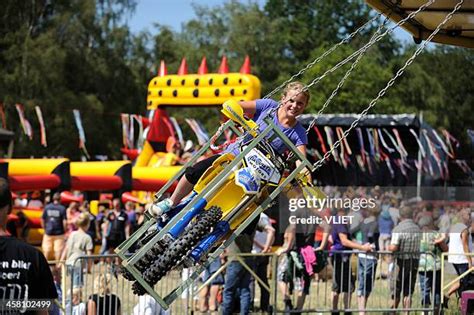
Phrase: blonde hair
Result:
[102,284]
[297,86]
[83,220]
[77,292]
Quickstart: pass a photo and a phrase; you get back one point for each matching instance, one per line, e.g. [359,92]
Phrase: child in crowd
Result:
[78,243]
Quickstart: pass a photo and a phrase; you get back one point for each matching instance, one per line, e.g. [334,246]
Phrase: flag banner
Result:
[140,137]
[392,140]
[384,144]
[125,118]
[376,144]
[320,139]
[25,124]
[450,141]
[363,154]
[342,155]
[420,146]
[329,137]
[178,130]
[39,114]
[400,143]
[441,142]
[80,129]
[2,116]
[371,142]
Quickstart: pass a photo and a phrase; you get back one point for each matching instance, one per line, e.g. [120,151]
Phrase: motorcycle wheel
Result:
[180,247]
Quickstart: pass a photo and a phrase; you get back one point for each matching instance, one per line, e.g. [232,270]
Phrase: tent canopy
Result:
[458,31]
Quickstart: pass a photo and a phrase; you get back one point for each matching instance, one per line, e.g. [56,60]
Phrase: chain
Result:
[370,43]
[359,51]
[325,54]
[382,92]
[347,74]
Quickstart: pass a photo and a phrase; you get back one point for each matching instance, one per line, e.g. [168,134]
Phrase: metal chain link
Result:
[359,51]
[347,74]
[370,43]
[382,92]
[350,57]
[325,54]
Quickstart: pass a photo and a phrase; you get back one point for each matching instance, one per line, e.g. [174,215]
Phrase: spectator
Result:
[103,302]
[237,277]
[54,310]
[53,221]
[406,238]
[385,224]
[101,226]
[35,201]
[117,226]
[148,306]
[301,258]
[343,280]
[208,295]
[262,243]
[92,230]
[285,276]
[72,213]
[131,216]
[444,222]
[460,243]
[429,270]
[78,243]
[24,225]
[427,212]
[140,212]
[78,307]
[367,263]
[26,274]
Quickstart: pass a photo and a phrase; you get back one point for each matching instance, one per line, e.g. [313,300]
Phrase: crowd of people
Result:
[399,239]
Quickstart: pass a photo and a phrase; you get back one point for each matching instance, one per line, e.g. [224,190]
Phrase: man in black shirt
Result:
[24,271]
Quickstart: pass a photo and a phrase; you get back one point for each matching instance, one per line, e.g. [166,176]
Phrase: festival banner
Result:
[39,114]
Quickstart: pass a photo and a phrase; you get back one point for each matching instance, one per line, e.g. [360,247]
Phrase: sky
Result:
[168,12]
[174,13]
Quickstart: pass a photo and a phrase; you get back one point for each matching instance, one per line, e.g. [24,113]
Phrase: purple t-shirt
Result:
[336,241]
[296,134]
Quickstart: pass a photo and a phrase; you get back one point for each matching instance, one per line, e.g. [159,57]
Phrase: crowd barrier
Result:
[354,273]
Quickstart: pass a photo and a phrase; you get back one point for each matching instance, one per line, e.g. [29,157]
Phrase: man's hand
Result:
[280,251]
[367,247]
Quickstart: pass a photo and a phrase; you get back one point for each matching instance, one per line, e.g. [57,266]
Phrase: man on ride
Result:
[293,102]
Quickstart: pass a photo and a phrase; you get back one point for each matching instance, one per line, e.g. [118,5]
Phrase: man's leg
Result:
[48,247]
[231,285]
[244,291]
[203,306]
[261,270]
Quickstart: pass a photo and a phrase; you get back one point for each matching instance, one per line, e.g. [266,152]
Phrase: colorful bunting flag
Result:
[80,129]
[25,124]
[39,114]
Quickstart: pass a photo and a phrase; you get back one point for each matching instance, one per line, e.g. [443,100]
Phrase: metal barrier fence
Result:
[360,279]
[454,284]
[354,281]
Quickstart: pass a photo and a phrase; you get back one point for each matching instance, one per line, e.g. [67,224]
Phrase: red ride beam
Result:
[90,183]
[151,184]
[34,182]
